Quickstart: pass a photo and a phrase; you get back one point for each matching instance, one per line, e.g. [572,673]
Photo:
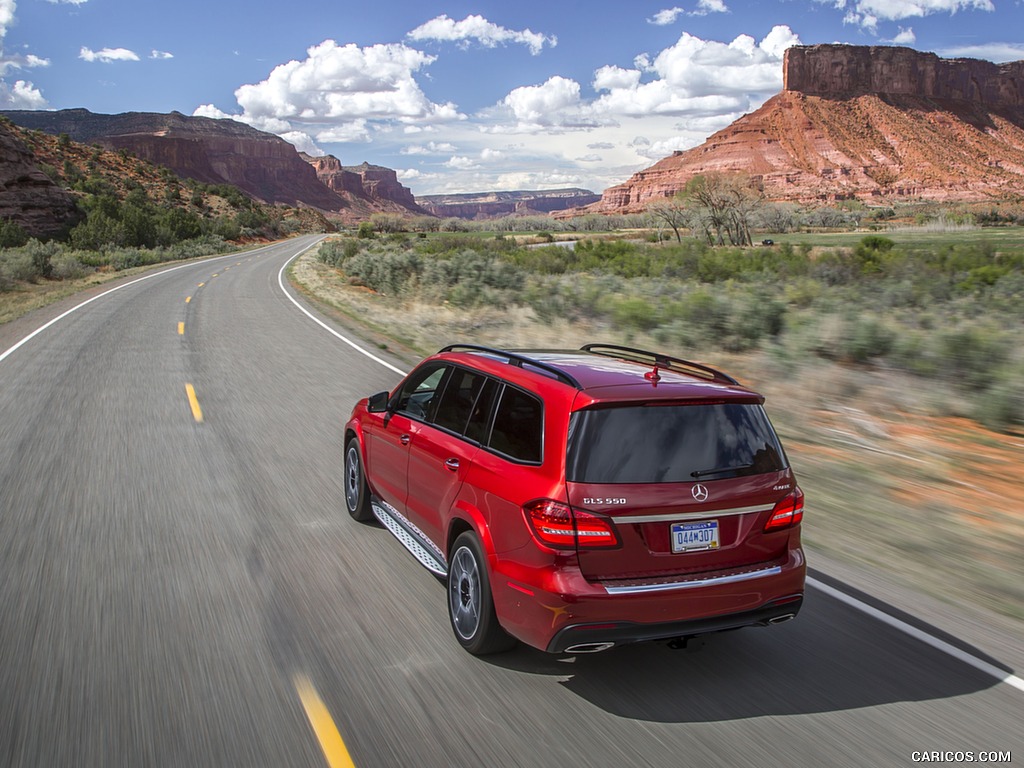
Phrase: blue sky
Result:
[458,96]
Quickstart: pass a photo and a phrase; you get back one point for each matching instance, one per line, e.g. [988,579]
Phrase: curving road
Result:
[181,586]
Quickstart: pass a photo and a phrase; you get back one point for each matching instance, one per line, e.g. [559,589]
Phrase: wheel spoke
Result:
[464,593]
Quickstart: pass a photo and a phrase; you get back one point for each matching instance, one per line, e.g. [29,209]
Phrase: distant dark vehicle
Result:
[767,242]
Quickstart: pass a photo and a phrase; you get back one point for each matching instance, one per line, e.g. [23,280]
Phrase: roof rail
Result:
[660,361]
[518,360]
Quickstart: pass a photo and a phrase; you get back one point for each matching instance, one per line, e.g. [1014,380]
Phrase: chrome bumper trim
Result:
[694,583]
[703,515]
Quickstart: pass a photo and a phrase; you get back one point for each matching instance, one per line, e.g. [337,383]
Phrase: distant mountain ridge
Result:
[215,151]
[488,205]
[876,123]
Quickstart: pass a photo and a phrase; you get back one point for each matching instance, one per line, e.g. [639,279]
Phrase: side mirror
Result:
[378,403]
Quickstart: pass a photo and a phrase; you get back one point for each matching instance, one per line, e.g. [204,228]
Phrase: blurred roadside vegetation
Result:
[948,310]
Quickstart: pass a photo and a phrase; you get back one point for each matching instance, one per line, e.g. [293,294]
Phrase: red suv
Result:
[581,499]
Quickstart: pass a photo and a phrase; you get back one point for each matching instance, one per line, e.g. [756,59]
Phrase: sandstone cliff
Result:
[367,188]
[875,123]
[28,197]
[489,205]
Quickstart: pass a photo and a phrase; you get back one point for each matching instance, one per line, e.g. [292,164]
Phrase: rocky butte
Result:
[876,123]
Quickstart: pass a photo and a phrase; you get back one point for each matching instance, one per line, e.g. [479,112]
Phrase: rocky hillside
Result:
[43,176]
[28,197]
[489,205]
[262,165]
[879,124]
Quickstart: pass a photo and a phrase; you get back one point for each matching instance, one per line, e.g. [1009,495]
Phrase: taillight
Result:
[788,511]
[560,526]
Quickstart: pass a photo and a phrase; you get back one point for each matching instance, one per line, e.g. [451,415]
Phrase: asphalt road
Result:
[176,591]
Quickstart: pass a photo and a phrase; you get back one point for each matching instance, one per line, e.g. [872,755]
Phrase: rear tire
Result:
[357,492]
[470,603]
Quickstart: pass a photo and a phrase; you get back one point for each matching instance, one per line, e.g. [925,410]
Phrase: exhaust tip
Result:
[589,647]
[782,619]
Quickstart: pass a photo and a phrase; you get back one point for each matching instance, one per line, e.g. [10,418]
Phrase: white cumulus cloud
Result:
[342,93]
[155,54]
[697,76]
[867,13]
[905,37]
[704,7]
[997,52]
[21,95]
[477,28]
[107,55]
[694,78]
[665,17]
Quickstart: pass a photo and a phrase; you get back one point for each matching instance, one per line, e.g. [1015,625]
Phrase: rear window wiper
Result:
[722,470]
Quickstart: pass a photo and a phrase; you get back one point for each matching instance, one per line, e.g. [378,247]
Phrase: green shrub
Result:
[11,234]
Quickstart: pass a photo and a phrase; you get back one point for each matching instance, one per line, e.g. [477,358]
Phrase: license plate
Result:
[689,537]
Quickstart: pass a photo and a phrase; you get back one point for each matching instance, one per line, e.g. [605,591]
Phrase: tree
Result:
[671,212]
[723,206]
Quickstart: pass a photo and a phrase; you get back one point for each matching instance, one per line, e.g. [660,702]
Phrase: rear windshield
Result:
[671,444]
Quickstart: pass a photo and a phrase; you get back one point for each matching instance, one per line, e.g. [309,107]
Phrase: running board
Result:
[402,530]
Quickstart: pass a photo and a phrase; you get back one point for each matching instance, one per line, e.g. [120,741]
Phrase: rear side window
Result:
[671,444]
[518,426]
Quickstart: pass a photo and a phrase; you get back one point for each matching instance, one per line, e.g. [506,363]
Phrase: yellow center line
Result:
[323,726]
[188,299]
[181,329]
[193,401]
[201,285]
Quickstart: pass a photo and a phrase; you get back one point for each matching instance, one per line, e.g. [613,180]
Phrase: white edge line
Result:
[920,635]
[10,351]
[951,650]
[356,347]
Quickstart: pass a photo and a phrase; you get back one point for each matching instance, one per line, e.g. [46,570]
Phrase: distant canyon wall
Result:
[841,70]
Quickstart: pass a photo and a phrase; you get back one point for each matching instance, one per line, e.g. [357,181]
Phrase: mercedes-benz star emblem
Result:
[700,493]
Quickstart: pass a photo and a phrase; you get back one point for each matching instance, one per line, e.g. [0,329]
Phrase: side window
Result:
[418,396]
[459,398]
[480,418]
[518,426]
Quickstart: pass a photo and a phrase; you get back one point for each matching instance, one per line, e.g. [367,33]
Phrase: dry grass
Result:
[935,502]
[26,297]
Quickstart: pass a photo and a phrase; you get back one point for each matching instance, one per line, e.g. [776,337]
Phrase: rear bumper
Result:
[577,635]
[558,610]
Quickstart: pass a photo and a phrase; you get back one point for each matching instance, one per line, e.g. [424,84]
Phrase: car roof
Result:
[611,373]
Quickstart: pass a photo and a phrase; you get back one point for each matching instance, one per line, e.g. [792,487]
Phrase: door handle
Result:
[405,439]
[452,464]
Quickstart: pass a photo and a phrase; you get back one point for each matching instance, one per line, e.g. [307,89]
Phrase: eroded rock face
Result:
[875,123]
[832,70]
[368,189]
[28,197]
